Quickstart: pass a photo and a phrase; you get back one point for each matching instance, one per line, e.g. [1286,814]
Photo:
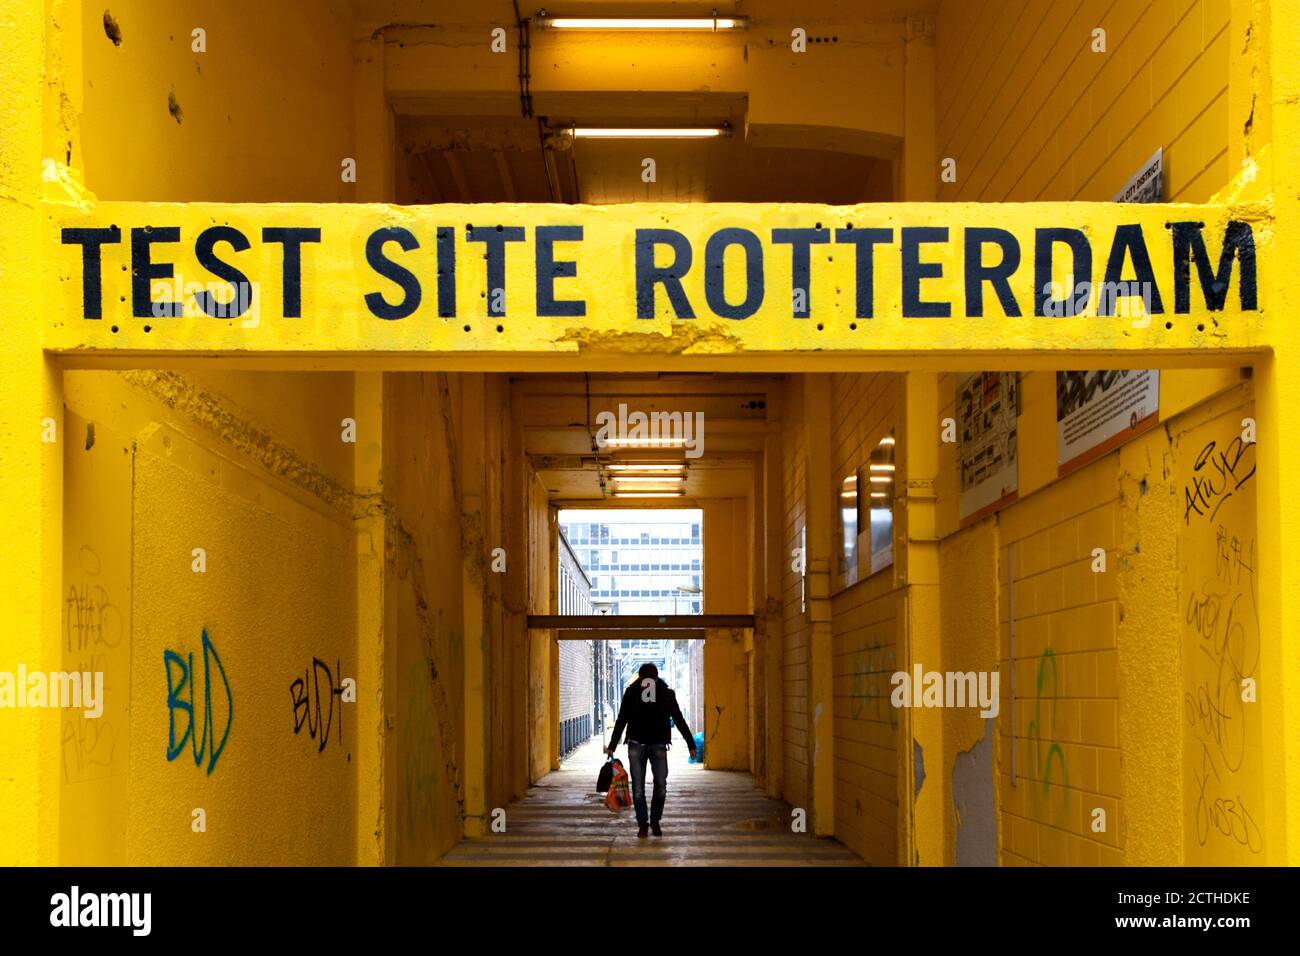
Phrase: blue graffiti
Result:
[204,741]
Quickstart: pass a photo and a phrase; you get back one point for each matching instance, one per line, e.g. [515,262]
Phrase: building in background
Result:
[579,685]
[646,562]
[640,562]
[685,675]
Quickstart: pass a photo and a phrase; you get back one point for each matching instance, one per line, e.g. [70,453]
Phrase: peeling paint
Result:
[203,408]
[111,29]
[973,806]
[817,714]
[918,767]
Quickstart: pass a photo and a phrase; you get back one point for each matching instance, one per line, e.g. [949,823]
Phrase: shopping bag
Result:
[620,789]
[605,777]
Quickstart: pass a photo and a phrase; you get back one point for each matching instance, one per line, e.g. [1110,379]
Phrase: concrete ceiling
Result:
[559,416]
[458,159]
[469,146]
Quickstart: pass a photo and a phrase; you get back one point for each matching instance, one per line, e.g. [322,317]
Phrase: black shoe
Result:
[643,831]
[654,828]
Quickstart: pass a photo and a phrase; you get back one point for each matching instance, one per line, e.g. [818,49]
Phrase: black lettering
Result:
[914,270]
[402,276]
[801,241]
[1238,241]
[1129,242]
[291,267]
[865,241]
[1076,297]
[90,240]
[715,291]
[548,270]
[446,272]
[998,276]
[670,276]
[494,239]
[144,271]
[241,292]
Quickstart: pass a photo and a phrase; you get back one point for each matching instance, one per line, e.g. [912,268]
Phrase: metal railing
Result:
[573,733]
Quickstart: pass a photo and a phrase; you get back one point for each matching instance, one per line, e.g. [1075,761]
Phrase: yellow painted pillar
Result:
[919,173]
[473,584]
[772,609]
[821,698]
[553,645]
[371,530]
[916,574]
[727,567]
[373,143]
[768,611]
[1268,65]
[518,688]
[31,547]
[373,151]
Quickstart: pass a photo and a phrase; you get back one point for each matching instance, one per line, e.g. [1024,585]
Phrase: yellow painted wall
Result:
[245,460]
[864,625]
[278,592]
[1204,790]
[1065,711]
[864,622]
[963,772]
[1079,124]
[251,467]
[425,619]
[1029,112]
[797,770]
[727,578]
[277,133]
[1227,768]
[542,729]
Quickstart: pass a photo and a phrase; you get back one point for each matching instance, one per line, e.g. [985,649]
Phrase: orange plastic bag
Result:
[620,789]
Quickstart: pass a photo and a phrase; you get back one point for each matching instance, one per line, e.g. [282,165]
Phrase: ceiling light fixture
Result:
[642,442]
[637,467]
[648,132]
[713,24]
[649,494]
[643,479]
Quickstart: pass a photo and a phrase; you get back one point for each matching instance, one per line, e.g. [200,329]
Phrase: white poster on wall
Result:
[989,474]
[1098,411]
[1147,184]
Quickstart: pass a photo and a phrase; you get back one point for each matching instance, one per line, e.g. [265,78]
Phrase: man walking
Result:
[647,705]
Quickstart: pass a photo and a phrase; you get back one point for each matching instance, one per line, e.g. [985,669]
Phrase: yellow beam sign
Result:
[710,278]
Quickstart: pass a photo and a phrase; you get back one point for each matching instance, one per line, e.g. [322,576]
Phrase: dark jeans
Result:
[657,756]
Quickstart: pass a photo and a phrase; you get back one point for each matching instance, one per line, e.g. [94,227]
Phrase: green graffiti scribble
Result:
[1045,755]
[869,693]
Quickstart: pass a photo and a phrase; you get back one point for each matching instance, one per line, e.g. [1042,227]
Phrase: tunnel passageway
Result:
[711,818]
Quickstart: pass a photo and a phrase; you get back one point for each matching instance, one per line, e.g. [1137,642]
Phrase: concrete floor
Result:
[711,818]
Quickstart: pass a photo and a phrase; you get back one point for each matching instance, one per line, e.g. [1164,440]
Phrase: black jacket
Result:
[647,720]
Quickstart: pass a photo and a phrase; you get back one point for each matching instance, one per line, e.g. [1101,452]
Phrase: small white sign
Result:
[1147,184]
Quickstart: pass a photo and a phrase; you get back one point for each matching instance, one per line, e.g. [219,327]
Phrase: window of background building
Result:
[656,568]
